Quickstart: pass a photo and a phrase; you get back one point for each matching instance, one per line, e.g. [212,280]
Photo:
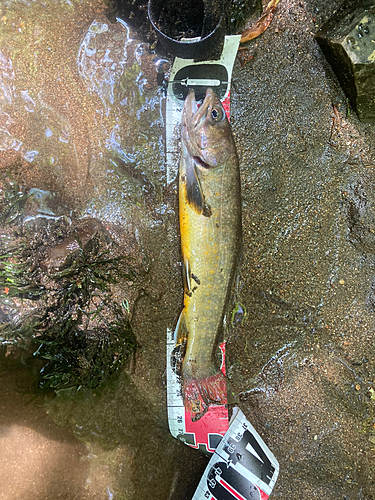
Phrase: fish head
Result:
[206,131]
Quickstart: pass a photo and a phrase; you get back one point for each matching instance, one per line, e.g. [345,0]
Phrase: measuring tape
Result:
[241,465]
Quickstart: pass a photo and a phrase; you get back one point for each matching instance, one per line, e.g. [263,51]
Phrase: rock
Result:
[58,254]
[348,42]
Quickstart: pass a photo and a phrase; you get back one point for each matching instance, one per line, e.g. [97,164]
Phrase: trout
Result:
[211,243]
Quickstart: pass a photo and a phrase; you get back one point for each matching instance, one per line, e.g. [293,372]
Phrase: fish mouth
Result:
[194,114]
[190,105]
[193,119]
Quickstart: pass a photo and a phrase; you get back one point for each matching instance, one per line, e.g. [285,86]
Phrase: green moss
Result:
[15,281]
[85,335]
[75,325]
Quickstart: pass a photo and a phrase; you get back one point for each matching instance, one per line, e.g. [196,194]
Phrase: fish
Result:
[211,245]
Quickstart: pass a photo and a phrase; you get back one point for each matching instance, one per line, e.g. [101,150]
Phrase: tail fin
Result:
[200,394]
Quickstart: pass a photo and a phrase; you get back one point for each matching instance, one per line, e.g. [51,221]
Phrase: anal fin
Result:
[180,339]
[180,332]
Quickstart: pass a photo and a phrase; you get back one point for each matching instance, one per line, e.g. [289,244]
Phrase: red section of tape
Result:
[214,421]
[226,105]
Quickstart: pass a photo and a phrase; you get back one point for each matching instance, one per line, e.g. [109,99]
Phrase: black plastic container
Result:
[174,20]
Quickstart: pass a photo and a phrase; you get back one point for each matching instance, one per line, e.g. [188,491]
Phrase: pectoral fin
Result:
[194,193]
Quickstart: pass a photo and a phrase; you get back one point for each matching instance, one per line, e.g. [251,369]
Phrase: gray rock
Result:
[348,42]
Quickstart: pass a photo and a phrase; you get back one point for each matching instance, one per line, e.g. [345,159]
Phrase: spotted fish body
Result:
[210,227]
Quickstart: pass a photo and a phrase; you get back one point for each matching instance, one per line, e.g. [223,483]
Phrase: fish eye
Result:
[217,114]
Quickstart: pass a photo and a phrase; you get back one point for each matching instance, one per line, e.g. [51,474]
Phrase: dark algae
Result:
[74,322]
[85,334]
[78,327]
[88,219]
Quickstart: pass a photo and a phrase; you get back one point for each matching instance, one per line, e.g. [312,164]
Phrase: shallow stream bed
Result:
[81,123]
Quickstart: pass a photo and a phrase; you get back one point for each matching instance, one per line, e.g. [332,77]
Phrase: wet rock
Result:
[315,453]
[361,216]
[4,318]
[347,41]
[58,254]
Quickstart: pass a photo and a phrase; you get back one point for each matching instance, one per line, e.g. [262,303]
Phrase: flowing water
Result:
[82,138]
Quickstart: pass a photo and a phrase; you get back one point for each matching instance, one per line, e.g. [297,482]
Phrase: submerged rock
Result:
[58,254]
[347,40]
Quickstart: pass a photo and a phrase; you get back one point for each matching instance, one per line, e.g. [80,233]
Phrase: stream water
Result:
[82,138]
